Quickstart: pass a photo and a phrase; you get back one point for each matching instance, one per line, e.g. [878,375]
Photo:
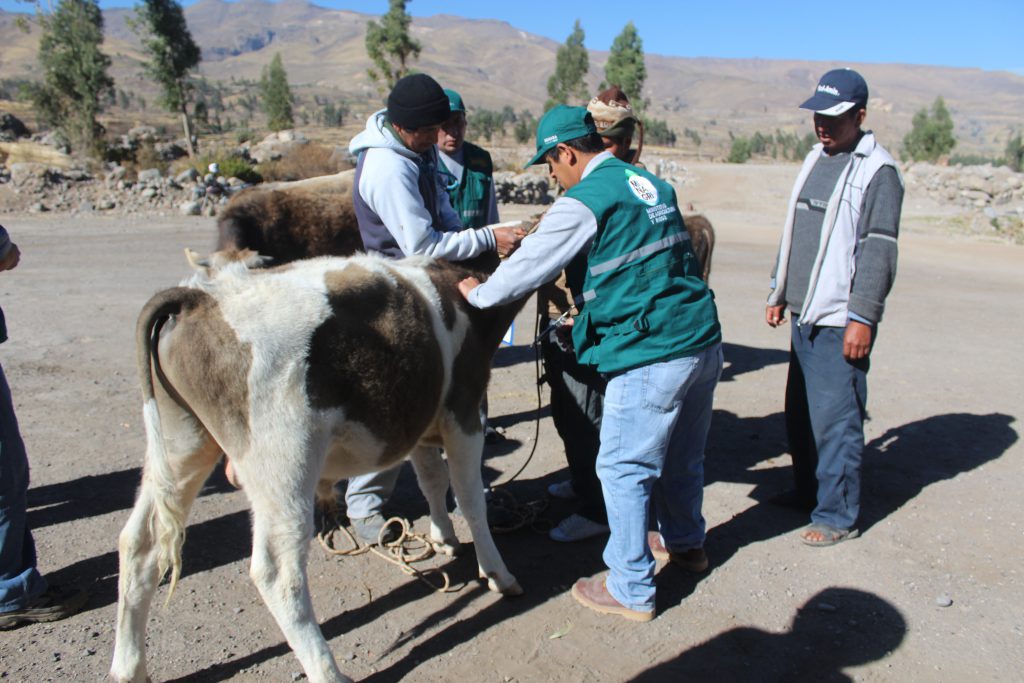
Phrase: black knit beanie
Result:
[417,101]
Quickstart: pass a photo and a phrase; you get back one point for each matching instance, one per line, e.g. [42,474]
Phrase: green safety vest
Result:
[643,298]
[471,196]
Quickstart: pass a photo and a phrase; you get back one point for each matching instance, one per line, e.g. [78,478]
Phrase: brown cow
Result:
[289,221]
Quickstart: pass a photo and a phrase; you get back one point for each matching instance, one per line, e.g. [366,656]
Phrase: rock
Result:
[12,128]
[276,145]
[826,607]
[115,176]
[150,176]
[38,207]
[943,601]
[23,172]
[169,151]
[189,175]
[142,133]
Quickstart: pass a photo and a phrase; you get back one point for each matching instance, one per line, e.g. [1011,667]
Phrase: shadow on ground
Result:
[91,496]
[854,627]
[900,463]
[835,629]
[740,359]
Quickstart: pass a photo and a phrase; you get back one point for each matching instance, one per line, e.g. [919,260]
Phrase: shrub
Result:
[231,166]
[304,161]
[1015,153]
[740,151]
[657,132]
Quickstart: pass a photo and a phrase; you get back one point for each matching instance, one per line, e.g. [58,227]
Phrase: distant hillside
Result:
[495,64]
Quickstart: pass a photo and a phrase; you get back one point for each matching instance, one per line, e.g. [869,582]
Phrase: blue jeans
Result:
[20,581]
[826,399]
[367,493]
[655,427]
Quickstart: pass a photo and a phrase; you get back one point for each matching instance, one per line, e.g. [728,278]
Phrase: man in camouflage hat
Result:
[617,123]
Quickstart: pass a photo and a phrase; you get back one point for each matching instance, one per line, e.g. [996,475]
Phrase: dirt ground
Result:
[942,516]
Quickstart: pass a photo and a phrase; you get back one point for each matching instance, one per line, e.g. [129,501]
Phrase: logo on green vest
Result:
[642,188]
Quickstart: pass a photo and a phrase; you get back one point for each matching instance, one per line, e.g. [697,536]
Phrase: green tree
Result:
[486,123]
[277,96]
[75,80]
[571,65]
[526,127]
[740,151]
[625,66]
[931,134]
[172,54]
[1015,153]
[657,132]
[389,45]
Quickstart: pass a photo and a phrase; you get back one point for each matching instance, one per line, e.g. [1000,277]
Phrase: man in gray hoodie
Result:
[835,267]
[403,209]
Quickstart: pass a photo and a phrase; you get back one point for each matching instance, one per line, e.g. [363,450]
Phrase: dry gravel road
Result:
[942,514]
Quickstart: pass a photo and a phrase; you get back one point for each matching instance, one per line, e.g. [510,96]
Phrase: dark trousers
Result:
[577,402]
[826,398]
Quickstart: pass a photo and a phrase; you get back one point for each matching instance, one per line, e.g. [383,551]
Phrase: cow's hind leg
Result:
[282,510]
[432,475]
[179,457]
[464,455]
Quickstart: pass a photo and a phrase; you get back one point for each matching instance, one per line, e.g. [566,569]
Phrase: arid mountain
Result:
[495,64]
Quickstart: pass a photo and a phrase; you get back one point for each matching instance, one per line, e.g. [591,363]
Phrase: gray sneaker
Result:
[577,528]
[52,605]
[562,490]
[368,529]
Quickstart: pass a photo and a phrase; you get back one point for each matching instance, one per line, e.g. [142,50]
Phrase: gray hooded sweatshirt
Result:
[402,207]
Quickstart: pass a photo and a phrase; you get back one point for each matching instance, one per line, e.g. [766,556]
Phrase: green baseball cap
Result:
[455,100]
[561,124]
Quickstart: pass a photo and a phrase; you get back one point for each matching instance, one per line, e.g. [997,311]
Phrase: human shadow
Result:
[836,629]
[463,616]
[736,447]
[95,495]
[904,460]
[897,466]
[507,356]
[208,545]
[740,359]
[508,419]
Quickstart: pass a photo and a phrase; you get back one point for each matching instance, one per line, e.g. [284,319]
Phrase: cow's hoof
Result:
[449,548]
[515,590]
[509,587]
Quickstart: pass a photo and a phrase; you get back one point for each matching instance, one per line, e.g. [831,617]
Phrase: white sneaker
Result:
[576,528]
[562,489]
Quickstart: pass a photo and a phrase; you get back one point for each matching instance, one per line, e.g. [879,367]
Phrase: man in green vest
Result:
[466,169]
[649,324]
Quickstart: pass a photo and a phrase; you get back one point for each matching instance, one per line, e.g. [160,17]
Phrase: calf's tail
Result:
[167,519]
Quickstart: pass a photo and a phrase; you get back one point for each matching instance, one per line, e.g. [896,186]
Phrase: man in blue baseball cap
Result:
[648,322]
[835,267]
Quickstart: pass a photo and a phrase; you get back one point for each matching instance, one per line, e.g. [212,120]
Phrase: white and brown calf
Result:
[304,374]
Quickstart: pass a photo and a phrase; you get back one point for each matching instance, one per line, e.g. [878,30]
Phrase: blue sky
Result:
[982,33]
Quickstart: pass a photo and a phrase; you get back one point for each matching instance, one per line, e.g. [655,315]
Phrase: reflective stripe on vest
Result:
[643,251]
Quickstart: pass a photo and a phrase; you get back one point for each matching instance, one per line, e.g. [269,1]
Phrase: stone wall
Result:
[522,188]
[995,194]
